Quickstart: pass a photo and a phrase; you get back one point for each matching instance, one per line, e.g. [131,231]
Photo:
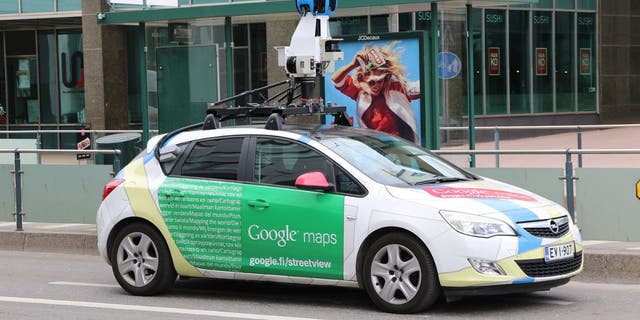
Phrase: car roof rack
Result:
[218,112]
[275,114]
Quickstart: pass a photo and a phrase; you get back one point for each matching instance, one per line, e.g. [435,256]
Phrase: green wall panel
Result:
[606,204]
[63,193]
[7,205]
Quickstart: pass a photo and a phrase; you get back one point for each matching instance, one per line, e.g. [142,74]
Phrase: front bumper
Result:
[452,292]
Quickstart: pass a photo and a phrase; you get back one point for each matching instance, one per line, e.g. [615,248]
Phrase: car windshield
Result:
[393,161]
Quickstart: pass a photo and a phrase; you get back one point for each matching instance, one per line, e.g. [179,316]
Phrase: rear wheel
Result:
[399,274]
[141,261]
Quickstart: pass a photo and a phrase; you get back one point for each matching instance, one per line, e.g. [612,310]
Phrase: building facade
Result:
[70,64]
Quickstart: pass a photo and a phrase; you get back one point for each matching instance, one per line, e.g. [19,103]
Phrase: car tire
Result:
[141,261]
[399,274]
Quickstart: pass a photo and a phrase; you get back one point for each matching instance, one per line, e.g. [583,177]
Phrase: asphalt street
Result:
[36,285]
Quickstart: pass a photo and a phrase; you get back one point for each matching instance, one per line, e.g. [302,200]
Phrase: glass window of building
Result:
[405,21]
[543,4]
[542,61]
[22,69]
[495,48]
[349,25]
[423,20]
[48,77]
[565,4]
[32,6]
[519,66]
[8,7]
[69,5]
[587,48]
[71,77]
[587,4]
[565,62]
[380,23]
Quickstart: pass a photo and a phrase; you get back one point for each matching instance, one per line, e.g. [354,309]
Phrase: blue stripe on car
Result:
[516,213]
[149,155]
[523,280]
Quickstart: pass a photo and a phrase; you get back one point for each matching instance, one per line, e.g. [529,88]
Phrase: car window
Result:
[280,161]
[346,184]
[216,159]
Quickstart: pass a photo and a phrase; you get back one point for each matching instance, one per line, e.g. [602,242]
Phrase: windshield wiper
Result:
[440,179]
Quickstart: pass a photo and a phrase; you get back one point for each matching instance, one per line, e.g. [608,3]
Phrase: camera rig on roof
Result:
[311,54]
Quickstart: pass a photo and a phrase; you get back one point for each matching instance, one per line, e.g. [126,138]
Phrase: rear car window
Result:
[214,159]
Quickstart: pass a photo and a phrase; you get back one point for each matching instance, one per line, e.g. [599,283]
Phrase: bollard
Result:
[568,180]
[17,173]
[116,163]
[496,139]
[579,147]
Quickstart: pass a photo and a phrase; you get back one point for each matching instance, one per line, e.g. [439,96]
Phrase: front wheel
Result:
[399,274]
[141,261]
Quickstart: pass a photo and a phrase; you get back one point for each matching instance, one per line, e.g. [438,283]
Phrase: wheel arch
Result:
[373,236]
[181,265]
[115,230]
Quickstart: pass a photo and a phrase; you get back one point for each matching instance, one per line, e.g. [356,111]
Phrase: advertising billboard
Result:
[379,81]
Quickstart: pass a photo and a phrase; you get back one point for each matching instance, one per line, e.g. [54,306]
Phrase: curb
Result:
[73,243]
[610,266]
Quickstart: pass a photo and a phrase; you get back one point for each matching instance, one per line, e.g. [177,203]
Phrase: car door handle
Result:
[258,204]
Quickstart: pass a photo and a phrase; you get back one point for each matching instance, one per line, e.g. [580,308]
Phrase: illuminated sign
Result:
[494,61]
[542,62]
[585,61]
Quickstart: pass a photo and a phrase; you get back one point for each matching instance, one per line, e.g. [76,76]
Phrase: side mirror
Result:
[314,180]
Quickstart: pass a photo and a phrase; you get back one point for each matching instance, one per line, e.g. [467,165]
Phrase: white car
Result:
[330,206]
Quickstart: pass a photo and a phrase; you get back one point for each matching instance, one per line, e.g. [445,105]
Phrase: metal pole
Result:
[470,85]
[496,141]
[116,163]
[568,172]
[17,171]
[579,147]
[142,70]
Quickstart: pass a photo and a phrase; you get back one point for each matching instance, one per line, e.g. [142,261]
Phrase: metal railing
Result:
[17,172]
[92,135]
[568,165]
[577,128]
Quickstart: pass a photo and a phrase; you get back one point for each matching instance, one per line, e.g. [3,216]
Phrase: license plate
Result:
[559,252]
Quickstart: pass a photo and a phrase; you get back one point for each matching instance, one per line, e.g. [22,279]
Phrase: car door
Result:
[291,231]
[200,202]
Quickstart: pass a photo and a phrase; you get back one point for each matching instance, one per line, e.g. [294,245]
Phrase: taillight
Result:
[110,186]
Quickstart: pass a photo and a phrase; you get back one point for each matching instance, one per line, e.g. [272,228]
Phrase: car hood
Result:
[484,197]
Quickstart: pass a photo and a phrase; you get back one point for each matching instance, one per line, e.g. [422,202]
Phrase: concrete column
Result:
[619,61]
[105,67]
[279,33]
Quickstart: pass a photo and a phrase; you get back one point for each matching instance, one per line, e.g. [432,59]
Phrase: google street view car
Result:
[328,205]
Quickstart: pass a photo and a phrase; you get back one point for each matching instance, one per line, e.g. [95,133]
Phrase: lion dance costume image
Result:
[381,91]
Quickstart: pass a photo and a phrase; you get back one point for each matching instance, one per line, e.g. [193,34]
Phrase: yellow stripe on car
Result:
[144,207]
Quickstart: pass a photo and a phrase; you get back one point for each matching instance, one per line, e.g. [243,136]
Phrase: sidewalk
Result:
[604,260]
[615,138]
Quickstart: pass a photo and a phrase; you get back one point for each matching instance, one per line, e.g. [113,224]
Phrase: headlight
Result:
[477,226]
